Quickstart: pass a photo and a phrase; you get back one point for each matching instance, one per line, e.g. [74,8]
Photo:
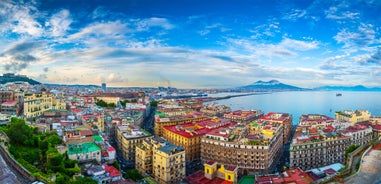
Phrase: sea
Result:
[304,102]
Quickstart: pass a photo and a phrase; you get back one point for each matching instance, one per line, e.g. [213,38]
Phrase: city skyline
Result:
[192,44]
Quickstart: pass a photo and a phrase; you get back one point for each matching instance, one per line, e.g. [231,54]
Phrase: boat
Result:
[339,94]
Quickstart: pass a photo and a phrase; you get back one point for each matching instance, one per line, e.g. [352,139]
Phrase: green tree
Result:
[133,174]
[19,132]
[111,105]
[85,180]
[101,103]
[123,102]
[154,103]
[54,140]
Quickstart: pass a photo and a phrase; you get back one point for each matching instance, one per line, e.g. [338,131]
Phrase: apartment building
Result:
[353,116]
[127,138]
[170,157]
[84,152]
[317,143]
[189,137]
[211,110]
[254,147]
[283,118]
[36,104]
[359,134]
[242,116]
[169,164]
[164,119]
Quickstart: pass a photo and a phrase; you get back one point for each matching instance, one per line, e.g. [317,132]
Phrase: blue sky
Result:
[192,43]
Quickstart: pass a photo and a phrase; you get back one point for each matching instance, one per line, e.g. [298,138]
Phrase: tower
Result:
[104,88]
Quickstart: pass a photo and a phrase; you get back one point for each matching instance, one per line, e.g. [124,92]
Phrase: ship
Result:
[339,94]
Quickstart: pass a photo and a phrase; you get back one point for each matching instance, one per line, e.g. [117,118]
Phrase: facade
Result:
[163,119]
[58,104]
[227,173]
[10,108]
[147,155]
[127,138]
[168,164]
[189,137]
[94,120]
[283,118]
[84,152]
[359,134]
[36,104]
[293,175]
[241,116]
[6,96]
[317,143]
[353,116]
[218,111]
[255,147]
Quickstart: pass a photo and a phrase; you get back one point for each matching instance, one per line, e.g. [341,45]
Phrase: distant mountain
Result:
[347,88]
[10,77]
[272,85]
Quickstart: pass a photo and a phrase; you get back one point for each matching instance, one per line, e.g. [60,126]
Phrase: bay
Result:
[306,102]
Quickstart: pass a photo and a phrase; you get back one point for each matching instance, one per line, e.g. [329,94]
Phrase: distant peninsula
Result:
[348,88]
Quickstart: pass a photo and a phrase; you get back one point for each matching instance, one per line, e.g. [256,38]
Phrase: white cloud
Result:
[336,14]
[364,36]
[295,14]
[299,45]
[60,23]
[20,18]
[146,24]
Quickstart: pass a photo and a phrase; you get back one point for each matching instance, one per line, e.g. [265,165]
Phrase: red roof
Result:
[230,167]
[199,178]
[86,133]
[377,127]
[112,171]
[210,162]
[9,103]
[205,128]
[76,110]
[110,148]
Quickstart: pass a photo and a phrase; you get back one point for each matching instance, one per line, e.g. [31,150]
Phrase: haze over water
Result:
[307,102]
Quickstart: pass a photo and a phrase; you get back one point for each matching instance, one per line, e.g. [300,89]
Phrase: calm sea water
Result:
[306,102]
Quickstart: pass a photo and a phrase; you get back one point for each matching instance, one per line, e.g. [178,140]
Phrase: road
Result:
[6,174]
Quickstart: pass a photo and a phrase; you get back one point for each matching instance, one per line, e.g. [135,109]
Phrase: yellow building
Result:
[36,104]
[127,138]
[146,155]
[108,99]
[169,164]
[227,173]
[90,120]
[162,120]
[58,104]
[353,116]
[189,137]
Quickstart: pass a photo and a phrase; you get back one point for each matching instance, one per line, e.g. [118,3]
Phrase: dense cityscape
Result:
[97,134]
[190,91]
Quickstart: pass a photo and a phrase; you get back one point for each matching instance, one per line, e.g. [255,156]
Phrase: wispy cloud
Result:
[20,18]
[59,23]
[146,24]
[334,13]
[294,14]
[364,36]
[299,45]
